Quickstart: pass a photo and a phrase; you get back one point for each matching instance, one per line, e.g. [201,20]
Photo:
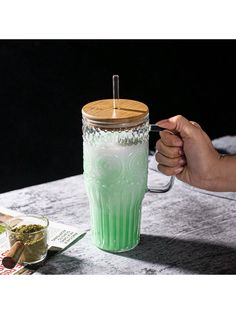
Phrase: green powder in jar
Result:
[34,237]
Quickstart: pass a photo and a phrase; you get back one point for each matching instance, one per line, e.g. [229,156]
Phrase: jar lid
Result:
[129,113]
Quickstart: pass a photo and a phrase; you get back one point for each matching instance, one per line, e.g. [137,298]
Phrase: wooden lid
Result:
[128,113]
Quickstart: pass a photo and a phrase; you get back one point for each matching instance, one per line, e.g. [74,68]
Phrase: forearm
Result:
[225,179]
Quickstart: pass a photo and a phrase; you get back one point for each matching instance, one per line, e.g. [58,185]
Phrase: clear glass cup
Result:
[115,175]
[21,228]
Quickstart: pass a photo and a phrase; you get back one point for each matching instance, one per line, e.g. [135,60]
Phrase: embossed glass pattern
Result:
[115,173]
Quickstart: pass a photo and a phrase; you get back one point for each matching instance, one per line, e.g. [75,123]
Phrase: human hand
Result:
[188,153]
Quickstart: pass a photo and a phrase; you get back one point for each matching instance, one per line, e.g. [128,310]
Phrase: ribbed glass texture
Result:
[115,174]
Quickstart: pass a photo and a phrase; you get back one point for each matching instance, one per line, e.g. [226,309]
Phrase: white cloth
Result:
[226,143]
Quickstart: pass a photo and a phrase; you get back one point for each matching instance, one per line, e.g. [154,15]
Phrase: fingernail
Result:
[162,122]
[177,171]
[181,152]
[178,143]
[182,161]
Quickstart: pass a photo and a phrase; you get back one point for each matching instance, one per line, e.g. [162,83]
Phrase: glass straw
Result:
[115,85]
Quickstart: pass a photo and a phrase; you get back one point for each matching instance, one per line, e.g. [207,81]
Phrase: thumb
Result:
[180,125]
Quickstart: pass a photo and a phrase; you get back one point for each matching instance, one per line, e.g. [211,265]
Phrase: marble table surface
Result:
[183,231]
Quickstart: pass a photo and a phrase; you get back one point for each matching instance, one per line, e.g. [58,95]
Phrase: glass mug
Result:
[115,155]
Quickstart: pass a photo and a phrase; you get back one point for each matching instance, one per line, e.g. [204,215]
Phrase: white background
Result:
[123,19]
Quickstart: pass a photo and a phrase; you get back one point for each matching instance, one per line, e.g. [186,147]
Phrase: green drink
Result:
[115,142]
[115,147]
[116,181]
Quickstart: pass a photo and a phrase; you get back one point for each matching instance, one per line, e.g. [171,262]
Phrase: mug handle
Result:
[165,188]
[168,186]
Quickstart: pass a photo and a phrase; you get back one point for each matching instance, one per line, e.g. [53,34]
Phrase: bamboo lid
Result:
[129,113]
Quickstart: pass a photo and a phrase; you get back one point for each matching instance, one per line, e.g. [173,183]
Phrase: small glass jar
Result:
[32,231]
